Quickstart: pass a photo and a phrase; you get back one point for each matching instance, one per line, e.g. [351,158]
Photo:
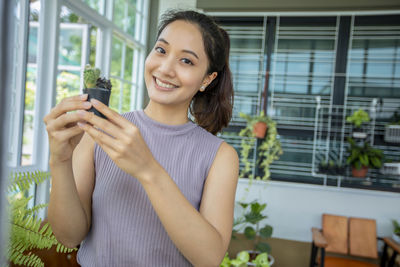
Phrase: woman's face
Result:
[176,68]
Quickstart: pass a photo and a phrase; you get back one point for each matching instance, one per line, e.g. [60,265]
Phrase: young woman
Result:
[150,187]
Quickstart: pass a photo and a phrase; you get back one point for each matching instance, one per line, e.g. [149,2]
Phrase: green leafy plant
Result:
[253,119]
[364,155]
[92,79]
[395,119]
[269,150]
[358,118]
[90,76]
[249,222]
[396,227]
[27,230]
[243,258]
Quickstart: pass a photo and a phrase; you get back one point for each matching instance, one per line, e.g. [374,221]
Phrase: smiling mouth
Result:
[164,85]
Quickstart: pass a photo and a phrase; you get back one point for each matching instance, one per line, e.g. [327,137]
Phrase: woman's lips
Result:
[163,85]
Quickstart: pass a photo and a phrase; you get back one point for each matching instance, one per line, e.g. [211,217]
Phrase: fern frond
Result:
[27,231]
[21,181]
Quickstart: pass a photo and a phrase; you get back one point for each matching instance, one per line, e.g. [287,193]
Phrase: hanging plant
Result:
[269,150]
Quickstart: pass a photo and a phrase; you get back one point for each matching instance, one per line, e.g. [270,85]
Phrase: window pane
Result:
[95,4]
[128,64]
[77,47]
[125,15]
[115,94]
[30,86]
[126,100]
[116,57]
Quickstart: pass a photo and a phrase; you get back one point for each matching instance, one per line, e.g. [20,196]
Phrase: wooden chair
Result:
[347,236]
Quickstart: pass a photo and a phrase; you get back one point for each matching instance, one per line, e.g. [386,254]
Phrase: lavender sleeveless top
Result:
[125,229]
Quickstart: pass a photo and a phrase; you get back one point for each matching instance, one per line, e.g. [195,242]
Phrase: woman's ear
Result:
[208,79]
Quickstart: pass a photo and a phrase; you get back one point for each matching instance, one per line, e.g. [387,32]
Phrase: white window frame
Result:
[47,63]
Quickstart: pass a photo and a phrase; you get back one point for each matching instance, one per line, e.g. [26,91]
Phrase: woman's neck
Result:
[167,114]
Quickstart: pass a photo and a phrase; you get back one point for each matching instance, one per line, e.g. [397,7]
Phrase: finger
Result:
[113,116]
[98,136]
[64,121]
[103,124]
[68,104]
[67,134]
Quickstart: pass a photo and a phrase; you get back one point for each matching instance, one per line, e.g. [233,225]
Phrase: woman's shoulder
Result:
[205,137]
[130,115]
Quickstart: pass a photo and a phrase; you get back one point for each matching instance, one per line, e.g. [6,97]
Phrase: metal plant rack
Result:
[330,137]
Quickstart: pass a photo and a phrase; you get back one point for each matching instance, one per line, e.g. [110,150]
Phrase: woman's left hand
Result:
[120,139]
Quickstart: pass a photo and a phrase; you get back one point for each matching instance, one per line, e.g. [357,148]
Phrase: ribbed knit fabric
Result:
[125,229]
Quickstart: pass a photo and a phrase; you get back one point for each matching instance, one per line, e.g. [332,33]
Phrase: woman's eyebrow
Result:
[184,50]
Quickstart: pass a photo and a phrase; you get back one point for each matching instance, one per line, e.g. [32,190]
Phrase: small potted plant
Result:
[250,223]
[358,118]
[396,231]
[96,87]
[362,156]
[258,123]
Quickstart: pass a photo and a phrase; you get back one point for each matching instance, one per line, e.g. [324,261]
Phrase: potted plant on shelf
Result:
[249,222]
[269,150]
[27,231]
[362,156]
[96,87]
[358,118]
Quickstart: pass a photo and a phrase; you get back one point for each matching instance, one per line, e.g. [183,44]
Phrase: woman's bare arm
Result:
[202,237]
[69,209]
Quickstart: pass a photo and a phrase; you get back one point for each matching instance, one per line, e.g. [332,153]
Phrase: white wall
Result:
[292,208]
[180,4]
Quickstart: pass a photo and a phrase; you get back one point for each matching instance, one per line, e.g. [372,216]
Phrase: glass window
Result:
[95,4]
[30,86]
[77,47]
[122,59]
[125,15]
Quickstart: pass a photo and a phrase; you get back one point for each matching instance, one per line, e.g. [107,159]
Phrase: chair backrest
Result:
[335,230]
[362,238]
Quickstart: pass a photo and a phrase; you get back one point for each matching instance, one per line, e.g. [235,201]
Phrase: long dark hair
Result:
[212,109]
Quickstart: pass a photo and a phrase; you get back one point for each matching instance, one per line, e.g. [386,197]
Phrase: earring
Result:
[202,88]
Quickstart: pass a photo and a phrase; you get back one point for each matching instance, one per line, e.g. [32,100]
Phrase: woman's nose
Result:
[167,67]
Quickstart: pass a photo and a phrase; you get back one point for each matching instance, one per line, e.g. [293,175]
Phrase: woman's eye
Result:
[187,61]
[160,50]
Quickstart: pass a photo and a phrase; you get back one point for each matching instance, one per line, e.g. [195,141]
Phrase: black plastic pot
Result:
[101,94]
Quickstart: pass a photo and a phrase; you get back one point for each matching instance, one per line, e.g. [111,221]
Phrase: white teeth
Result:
[165,85]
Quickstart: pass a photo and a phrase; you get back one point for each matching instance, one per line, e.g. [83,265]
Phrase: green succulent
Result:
[90,76]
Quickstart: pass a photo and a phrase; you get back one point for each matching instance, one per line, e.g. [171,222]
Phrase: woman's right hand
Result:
[61,125]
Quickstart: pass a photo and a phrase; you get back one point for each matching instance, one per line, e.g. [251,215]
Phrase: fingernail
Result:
[87,104]
[81,124]
[81,113]
[94,101]
[84,96]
